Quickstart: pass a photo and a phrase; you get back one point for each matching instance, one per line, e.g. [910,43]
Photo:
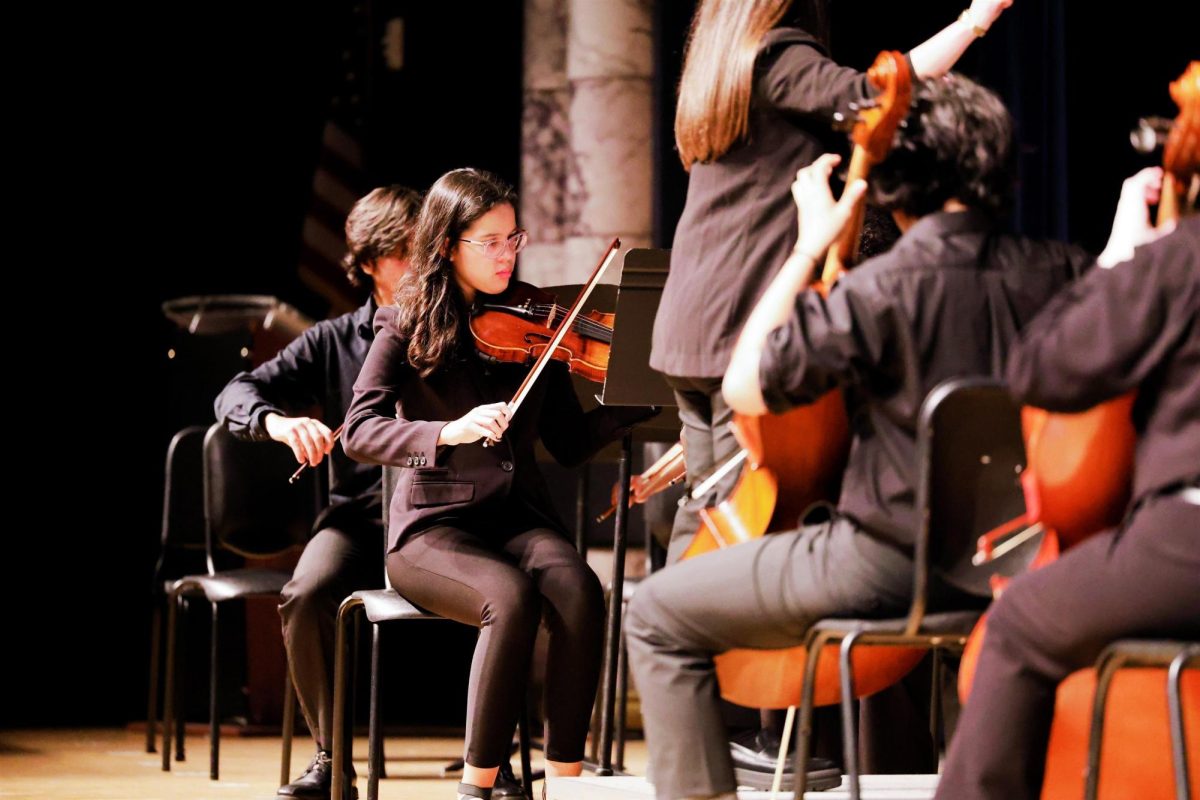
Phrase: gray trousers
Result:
[708,441]
[1051,622]
[335,563]
[761,594]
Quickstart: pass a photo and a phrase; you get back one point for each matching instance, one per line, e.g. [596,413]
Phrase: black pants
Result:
[1144,581]
[336,562]
[761,594]
[708,441]
[506,589]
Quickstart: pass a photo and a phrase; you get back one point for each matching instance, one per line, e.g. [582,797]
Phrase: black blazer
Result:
[396,416]
[739,221]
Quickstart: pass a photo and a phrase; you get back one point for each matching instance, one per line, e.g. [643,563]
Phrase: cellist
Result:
[946,301]
[1134,323]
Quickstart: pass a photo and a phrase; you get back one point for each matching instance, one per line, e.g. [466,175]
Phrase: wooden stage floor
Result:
[111,764]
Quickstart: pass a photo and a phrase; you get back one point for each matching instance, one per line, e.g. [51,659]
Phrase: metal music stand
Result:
[629,382]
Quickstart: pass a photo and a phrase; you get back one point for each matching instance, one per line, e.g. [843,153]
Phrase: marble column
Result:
[587,149]
[546,156]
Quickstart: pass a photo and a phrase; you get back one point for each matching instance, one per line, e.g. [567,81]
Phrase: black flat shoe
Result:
[316,781]
[507,784]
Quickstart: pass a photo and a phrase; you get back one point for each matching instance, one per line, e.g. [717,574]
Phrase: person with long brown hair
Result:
[756,100]
[472,532]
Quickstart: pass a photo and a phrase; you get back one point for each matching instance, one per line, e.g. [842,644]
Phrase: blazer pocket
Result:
[441,493]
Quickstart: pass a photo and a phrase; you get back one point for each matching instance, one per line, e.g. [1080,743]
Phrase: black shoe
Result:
[316,782]
[754,754]
[470,790]
[507,784]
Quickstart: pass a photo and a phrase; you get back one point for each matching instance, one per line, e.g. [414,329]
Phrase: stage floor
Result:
[111,764]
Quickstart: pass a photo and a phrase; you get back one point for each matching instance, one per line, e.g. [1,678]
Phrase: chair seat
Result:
[946,622]
[386,605]
[1149,652]
[233,584]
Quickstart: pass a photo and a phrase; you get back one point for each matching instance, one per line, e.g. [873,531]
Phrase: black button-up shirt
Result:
[739,221]
[1136,326]
[318,368]
[945,302]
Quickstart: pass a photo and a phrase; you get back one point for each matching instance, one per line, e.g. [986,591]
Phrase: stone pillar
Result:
[586,141]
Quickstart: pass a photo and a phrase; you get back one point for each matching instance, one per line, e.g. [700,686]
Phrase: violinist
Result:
[473,535]
[319,368]
[1134,323]
[945,301]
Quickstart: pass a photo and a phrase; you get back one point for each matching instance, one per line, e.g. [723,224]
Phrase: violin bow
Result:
[563,328]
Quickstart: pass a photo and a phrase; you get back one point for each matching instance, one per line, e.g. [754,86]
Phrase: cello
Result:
[791,460]
[1078,483]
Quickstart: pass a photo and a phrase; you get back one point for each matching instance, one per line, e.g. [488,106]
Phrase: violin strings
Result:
[581,323]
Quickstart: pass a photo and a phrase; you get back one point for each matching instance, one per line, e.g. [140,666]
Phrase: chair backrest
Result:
[250,508]
[183,500]
[971,458]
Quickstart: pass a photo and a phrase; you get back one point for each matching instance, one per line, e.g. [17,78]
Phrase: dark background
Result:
[170,152]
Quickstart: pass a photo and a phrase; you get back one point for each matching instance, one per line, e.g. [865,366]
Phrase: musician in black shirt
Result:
[946,301]
[318,369]
[1135,326]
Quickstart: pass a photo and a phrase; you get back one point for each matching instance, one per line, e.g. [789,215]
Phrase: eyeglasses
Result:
[496,248]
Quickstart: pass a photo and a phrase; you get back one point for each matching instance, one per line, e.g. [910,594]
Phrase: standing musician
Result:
[319,368]
[756,100]
[946,301]
[1133,325]
[473,535]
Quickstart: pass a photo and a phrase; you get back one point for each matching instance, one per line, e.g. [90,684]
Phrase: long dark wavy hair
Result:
[432,307]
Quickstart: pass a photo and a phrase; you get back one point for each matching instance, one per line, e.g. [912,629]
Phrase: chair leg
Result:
[169,689]
[374,734]
[804,734]
[1105,672]
[622,702]
[152,698]
[181,688]
[935,701]
[849,732]
[376,698]
[526,761]
[289,727]
[214,715]
[1183,787]
[342,745]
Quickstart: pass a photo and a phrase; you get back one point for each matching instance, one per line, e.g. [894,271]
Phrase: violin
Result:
[533,346]
[664,473]
[517,328]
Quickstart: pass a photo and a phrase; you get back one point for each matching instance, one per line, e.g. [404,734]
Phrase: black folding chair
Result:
[250,510]
[971,456]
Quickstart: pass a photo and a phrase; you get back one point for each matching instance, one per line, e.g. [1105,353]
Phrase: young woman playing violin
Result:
[472,532]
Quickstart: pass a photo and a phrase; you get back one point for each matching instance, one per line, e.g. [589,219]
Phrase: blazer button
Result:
[422,461]
[507,466]
[409,462]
